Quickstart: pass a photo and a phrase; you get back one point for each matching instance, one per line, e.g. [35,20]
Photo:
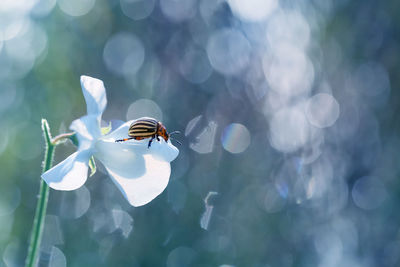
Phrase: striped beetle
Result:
[147,127]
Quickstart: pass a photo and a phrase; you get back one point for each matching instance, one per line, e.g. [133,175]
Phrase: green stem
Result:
[41,207]
[62,137]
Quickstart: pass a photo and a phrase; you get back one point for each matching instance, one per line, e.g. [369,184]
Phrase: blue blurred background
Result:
[288,110]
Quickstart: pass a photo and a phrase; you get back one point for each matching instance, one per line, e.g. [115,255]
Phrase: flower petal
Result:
[139,173]
[140,190]
[126,161]
[95,95]
[69,174]
[87,130]
[163,150]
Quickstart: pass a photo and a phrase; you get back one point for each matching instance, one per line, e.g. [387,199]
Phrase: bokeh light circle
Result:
[76,203]
[177,10]
[235,138]
[137,9]
[11,26]
[5,138]
[195,66]
[43,7]
[57,258]
[28,44]
[144,108]
[288,27]
[76,8]
[10,198]
[368,193]
[272,200]
[253,10]
[124,54]
[180,256]
[10,254]
[228,51]
[52,233]
[322,110]
[289,129]
[372,79]
[288,70]
[329,243]
[35,148]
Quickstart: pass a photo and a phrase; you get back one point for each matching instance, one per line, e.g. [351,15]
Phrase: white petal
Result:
[95,95]
[163,150]
[69,174]
[87,130]
[127,161]
[139,172]
[141,189]
[159,149]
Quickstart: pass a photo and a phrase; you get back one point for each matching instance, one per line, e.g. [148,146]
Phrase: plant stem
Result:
[41,207]
[59,138]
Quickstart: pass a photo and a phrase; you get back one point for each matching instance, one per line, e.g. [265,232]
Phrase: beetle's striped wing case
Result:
[143,127]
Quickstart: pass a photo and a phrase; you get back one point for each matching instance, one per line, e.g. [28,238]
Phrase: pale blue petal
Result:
[163,150]
[95,95]
[87,130]
[141,189]
[70,174]
[139,174]
[128,162]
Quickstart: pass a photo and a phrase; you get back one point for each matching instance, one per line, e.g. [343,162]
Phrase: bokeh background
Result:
[289,114]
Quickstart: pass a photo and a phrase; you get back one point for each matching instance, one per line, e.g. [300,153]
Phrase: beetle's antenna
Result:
[176,141]
[174,132]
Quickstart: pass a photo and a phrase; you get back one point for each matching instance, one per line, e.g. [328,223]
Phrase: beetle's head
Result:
[162,132]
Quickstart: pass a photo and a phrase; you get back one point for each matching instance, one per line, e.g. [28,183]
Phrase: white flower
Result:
[141,173]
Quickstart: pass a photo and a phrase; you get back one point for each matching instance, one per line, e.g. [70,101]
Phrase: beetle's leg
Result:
[123,140]
[151,140]
[158,138]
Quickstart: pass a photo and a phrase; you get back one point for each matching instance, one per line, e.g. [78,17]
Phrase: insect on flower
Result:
[148,128]
[140,172]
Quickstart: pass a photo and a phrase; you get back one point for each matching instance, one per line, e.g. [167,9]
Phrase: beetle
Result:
[146,127]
